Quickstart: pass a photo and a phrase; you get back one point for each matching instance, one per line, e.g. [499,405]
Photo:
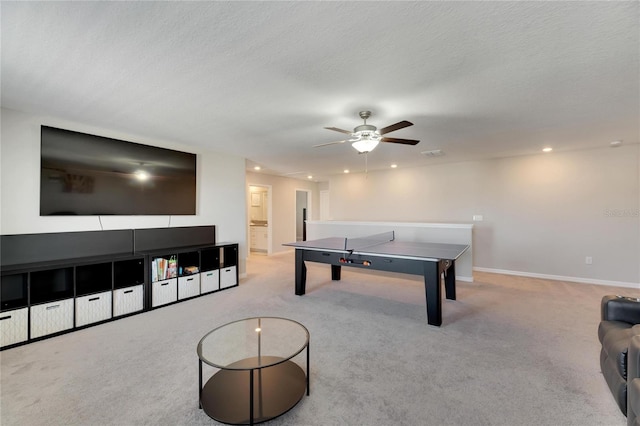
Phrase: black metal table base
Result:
[227,396]
[431,270]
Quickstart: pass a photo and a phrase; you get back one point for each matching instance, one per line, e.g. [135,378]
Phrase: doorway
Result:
[303,213]
[259,214]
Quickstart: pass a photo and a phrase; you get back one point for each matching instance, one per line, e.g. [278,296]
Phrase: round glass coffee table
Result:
[257,379]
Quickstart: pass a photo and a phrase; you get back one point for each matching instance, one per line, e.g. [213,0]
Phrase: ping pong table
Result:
[382,252]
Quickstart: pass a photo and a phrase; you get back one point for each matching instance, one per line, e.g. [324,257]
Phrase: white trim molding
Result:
[559,277]
[395,224]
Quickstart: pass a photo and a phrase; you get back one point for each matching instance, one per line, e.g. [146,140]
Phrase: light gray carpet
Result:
[511,351]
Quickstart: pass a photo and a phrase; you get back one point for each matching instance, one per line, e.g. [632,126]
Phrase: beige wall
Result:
[543,214]
[220,191]
[283,202]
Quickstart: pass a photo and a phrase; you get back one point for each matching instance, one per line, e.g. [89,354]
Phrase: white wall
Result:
[543,214]
[220,186]
[283,199]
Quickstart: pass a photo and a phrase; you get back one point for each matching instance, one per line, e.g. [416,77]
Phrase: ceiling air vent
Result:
[433,153]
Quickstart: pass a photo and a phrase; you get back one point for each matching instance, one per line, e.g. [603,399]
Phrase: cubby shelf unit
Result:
[47,290]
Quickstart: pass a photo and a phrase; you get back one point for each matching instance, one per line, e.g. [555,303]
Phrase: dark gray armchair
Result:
[633,382]
[620,322]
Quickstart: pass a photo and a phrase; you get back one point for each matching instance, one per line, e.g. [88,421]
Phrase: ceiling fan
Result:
[366,137]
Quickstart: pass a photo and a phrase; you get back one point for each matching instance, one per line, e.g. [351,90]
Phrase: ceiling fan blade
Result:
[348,132]
[399,125]
[329,143]
[403,141]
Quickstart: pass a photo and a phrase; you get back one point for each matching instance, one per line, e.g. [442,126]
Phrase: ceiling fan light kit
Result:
[365,145]
[365,141]
[366,137]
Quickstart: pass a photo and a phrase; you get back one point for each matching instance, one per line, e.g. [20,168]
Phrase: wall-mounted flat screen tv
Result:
[83,174]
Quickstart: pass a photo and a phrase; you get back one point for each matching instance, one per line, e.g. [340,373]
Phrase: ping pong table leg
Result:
[335,272]
[301,273]
[433,292]
[450,281]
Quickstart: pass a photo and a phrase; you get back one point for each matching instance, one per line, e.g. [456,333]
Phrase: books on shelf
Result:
[172,271]
[162,269]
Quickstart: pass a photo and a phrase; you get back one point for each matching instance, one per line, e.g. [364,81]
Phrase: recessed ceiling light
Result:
[346,170]
[256,168]
[393,166]
[616,144]
[547,149]
[309,177]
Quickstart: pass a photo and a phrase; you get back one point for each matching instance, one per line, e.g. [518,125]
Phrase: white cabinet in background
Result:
[259,236]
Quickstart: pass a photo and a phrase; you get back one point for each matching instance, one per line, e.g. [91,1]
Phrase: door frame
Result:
[269,216]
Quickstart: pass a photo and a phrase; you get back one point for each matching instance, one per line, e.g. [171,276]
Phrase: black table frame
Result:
[431,269]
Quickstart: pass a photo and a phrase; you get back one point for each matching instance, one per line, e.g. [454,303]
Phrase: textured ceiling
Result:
[261,79]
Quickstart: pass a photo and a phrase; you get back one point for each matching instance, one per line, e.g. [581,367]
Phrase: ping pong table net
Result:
[360,243]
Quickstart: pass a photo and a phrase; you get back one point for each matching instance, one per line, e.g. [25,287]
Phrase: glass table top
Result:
[252,343]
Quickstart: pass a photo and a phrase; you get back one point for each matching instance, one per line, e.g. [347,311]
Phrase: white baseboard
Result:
[559,277]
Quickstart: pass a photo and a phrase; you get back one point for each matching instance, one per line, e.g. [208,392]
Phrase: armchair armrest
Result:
[633,359]
[619,308]
[633,382]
